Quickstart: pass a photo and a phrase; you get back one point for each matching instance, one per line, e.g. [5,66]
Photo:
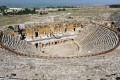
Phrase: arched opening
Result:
[81,26]
[65,29]
[36,34]
[112,23]
[42,45]
[55,43]
[74,29]
[36,45]
[22,37]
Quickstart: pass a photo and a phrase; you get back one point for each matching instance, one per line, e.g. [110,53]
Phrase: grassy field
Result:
[87,12]
[17,19]
[13,19]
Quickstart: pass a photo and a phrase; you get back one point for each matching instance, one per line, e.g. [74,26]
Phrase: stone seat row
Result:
[16,44]
[100,39]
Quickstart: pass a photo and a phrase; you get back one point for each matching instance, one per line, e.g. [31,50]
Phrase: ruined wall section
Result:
[41,31]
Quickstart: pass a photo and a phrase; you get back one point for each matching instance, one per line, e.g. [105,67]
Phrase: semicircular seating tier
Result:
[18,45]
[14,43]
[97,40]
[92,39]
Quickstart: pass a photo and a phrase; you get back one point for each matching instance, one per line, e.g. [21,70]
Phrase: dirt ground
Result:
[62,50]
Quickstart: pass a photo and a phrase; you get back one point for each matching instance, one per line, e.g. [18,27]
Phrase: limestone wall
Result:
[50,28]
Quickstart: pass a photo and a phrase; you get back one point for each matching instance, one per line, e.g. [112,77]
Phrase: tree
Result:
[3,9]
[114,6]
[34,10]
[62,9]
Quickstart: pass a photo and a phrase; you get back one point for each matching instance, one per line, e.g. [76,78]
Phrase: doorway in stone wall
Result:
[36,45]
[65,29]
[74,29]
[36,34]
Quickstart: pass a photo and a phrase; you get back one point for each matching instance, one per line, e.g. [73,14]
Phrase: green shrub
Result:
[11,27]
[62,9]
